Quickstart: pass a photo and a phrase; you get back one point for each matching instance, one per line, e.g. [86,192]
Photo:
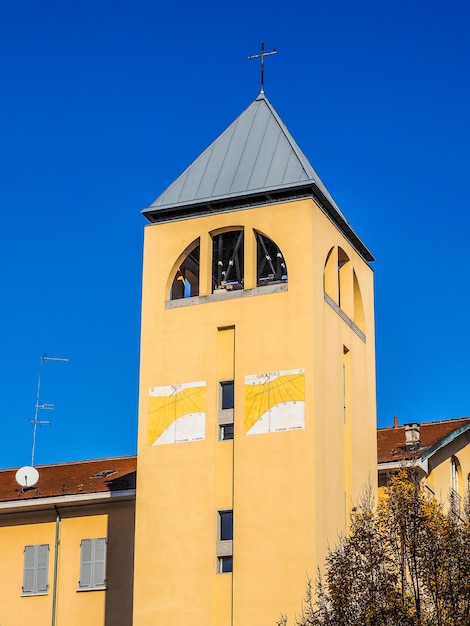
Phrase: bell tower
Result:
[257,382]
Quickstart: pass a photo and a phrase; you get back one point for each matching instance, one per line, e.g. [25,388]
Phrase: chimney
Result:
[395,421]
[412,435]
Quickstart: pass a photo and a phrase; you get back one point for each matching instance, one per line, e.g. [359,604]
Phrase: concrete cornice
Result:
[81,499]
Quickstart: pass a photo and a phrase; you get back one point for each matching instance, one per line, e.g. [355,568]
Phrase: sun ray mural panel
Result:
[177,413]
[274,401]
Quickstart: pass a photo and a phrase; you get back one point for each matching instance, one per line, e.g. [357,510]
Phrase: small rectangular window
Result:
[226,525]
[224,547]
[226,405]
[92,564]
[226,432]
[225,564]
[227,395]
[36,561]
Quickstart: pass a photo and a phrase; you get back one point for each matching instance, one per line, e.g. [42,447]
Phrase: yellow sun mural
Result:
[177,413]
[274,401]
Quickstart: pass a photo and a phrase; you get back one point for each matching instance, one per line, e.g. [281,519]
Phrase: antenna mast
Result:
[48,407]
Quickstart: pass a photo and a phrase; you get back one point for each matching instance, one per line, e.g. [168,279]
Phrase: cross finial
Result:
[261,56]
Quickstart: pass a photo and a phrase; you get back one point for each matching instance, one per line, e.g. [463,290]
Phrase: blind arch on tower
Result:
[359,315]
[341,285]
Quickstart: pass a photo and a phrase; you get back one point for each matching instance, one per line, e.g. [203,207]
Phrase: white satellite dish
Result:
[27,476]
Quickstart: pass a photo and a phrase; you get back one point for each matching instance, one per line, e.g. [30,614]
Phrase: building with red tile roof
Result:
[67,484]
[69,534]
[86,502]
[257,381]
[439,450]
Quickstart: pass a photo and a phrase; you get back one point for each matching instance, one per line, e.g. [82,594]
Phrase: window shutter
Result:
[28,572]
[42,562]
[86,561]
[36,560]
[99,572]
[92,563]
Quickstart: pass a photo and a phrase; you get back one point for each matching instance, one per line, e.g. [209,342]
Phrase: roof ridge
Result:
[83,462]
[443,421]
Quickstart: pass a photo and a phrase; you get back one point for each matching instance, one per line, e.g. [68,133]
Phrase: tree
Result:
[404,562]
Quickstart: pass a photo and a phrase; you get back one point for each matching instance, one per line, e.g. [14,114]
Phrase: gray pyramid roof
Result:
[254,161]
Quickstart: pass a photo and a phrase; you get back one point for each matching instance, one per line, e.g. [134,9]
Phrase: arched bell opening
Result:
[185,282]
[271,267]
[228,260]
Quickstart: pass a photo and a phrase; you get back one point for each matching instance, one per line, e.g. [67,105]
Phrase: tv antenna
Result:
[41,406]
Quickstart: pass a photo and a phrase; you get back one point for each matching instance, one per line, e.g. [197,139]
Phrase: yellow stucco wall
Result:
[110,607]
[290,491]
[439,469]
[436,472]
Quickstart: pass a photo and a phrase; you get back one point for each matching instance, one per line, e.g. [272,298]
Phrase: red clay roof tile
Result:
[391,441]
[63,479]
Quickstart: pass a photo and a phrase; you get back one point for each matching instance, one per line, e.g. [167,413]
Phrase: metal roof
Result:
[254,161]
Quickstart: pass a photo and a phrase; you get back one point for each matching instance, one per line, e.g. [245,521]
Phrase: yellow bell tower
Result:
[257,382]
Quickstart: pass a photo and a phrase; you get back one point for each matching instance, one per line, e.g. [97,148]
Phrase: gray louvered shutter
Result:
[99,570]
[36,560]
[41,568]
[86,562]
[29,568]
[92,563]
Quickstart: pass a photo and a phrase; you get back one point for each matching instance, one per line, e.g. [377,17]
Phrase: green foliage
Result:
[405,562]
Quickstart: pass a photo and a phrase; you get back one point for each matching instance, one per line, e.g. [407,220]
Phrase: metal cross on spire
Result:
[261,56]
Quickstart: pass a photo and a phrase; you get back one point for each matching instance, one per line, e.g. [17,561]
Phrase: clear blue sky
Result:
[105,103]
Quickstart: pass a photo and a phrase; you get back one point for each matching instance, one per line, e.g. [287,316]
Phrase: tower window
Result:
[225,525]
[271,266]
[186,280]
[227,389]
[225,564]
[225,542]
[226,405]
[226,432]
[227,260]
